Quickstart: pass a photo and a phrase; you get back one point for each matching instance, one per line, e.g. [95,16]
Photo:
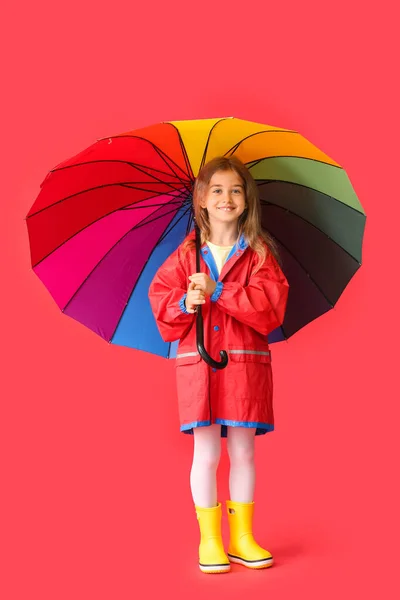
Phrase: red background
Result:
[94,504]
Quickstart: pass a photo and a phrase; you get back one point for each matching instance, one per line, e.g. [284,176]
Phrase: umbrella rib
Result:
[141,224]
[183,183]
[265,202]
[247,137]
[142,168]
[312,189]
[283,331]
[129,207]
[170,202]
[160,153]
[305,270]
[190,174]
[138,137]
[98,187]
[137,166]
[203,158]
[236,146]
[116,160]
[163,235]
[168,231]
[185,156]
[254,163]
[135,186]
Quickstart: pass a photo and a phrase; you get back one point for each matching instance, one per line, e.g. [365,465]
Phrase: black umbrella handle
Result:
[200,345]
[199,321]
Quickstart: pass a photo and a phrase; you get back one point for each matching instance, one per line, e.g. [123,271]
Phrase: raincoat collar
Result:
[233,257]
[240,245]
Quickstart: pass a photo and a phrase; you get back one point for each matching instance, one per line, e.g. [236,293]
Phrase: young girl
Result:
[243,294]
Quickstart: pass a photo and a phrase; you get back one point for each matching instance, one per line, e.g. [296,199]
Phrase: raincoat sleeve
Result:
[262,303]
[167,293]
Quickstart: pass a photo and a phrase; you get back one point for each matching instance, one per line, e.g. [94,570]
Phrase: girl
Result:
[243,294]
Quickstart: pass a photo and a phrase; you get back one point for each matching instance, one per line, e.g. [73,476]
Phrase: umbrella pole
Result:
[199,320]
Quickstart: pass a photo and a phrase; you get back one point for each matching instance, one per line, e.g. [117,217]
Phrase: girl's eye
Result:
[216,190]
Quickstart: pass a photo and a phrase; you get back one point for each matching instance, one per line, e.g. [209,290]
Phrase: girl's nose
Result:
[226,196]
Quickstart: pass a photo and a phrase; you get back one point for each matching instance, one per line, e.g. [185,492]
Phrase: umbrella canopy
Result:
[106,219]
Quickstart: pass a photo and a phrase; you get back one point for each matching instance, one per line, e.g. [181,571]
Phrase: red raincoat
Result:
[240,314]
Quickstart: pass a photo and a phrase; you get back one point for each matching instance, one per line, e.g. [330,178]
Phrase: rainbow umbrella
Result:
[106,219]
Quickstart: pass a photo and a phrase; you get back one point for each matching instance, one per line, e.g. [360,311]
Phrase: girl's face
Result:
[225,199]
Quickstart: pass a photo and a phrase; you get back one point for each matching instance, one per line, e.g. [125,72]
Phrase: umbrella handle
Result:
[200,345]
[199,322]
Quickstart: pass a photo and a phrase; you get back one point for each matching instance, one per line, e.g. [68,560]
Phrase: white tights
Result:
[206,456]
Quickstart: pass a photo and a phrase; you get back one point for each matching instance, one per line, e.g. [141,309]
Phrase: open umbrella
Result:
[106,219]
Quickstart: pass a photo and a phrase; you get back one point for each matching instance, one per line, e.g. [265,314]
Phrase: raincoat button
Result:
[205,252]
[214,370]
[216,328]
[237,254]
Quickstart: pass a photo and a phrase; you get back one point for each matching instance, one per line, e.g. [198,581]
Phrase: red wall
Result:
[95,473]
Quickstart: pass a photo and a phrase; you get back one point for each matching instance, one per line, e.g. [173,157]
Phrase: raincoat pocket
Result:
[248,379]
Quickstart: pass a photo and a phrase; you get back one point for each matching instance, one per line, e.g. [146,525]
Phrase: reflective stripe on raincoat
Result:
[238,317]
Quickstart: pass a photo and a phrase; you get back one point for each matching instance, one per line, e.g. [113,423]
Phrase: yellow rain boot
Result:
[212,557]
[243,548]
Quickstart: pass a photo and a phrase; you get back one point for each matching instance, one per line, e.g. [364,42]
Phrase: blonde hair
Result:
[249,223]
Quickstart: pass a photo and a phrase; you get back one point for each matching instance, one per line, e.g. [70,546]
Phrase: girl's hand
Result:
[204,283]
[194,297]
